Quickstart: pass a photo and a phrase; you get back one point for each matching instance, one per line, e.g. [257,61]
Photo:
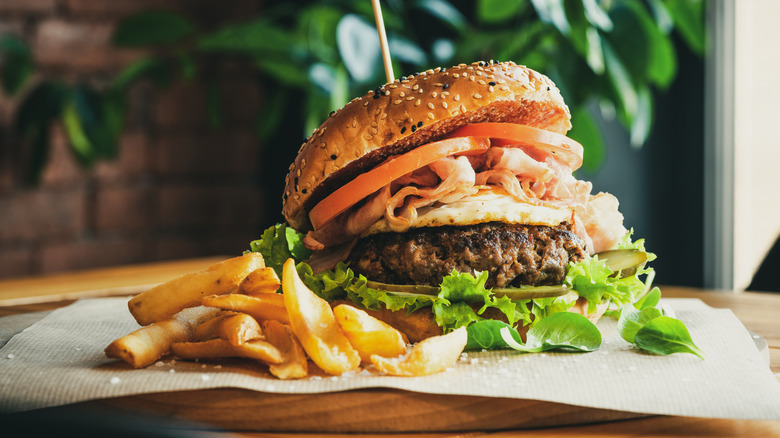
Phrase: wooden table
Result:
[759,312]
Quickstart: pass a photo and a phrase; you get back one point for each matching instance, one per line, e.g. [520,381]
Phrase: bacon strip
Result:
[457,181]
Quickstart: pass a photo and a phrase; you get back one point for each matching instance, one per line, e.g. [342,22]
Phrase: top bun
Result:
[411,111]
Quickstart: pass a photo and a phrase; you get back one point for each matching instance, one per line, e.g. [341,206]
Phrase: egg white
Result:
[484,206]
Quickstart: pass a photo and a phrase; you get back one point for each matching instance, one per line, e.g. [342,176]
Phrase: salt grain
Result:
[114,380]
[205,377]
[10,356]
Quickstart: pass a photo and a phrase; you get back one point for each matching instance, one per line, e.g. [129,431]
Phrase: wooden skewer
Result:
[380,27]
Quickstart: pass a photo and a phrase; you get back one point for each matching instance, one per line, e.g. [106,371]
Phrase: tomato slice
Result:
[562,147]
[387,172]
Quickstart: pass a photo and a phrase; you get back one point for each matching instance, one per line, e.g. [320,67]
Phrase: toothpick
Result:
[380,27]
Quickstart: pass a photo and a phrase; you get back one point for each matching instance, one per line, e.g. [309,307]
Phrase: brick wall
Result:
[178,187]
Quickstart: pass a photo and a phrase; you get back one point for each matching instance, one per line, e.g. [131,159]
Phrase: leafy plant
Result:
[614,53]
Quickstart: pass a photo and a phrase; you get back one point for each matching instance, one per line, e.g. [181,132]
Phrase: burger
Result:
[448,197]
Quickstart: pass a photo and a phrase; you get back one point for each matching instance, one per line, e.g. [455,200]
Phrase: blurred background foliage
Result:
[311,57]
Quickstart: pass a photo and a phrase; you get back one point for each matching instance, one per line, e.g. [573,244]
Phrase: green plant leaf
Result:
[689,19]
[358,44]
[635,28]
[564,330]
[552,12]
[406,51]
[152,28]
[620,81]
[558,331]
[254,37]
[283,70]
[155,68]
[643,119]
[83,149]
[497,11]
[17,63]
[664,335]
[597,16]
[632,320]
[650,299]
[444,11]
[586,131]
[32,122]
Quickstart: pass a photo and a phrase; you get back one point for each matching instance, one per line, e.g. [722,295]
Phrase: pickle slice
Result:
[406,289]
[531,292]
[513,293]
[625,261]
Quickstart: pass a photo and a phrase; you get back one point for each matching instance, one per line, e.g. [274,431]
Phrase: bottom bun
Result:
[421,324]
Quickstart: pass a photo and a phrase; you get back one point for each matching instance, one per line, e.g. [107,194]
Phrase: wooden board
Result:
[357,411]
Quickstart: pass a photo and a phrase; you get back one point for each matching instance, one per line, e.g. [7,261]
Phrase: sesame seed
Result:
[401,94]
[437,84]
[414,128]
[374,131]
[457,97]
[365,103]
[455,75]
[384,116]
[444,105]
[490,88]
[492,84]
[548,88]
[333,156]
[409,97]
[417,102]
[375,96]
[303,191]
[445,86]
[419,124]
[504,88]
[430,105]
[434,94]
[430,116]
[472,78]
[481,82]
[416,86]
[396,102]
[403,129]
[374,122]
[354,123]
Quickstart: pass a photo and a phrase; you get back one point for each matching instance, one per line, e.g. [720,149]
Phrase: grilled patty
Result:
[512,254]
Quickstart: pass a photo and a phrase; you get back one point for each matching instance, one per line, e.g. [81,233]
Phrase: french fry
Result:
[260,281]
[429,356]
[163,301]
[236,328]
[312,321]
[146,345]
[369,335]
[294,363]
[261,307]
[219,348]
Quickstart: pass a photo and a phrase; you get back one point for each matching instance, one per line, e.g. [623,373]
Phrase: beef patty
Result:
[512,254]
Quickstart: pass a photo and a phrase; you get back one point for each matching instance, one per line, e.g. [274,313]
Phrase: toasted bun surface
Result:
[412,111]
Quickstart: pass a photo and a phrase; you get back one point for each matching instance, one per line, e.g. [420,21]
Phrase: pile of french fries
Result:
[233,309]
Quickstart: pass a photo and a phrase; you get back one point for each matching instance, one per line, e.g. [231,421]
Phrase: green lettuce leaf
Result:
[279,243]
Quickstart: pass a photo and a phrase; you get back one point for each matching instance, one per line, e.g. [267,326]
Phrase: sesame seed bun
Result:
[412,111]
